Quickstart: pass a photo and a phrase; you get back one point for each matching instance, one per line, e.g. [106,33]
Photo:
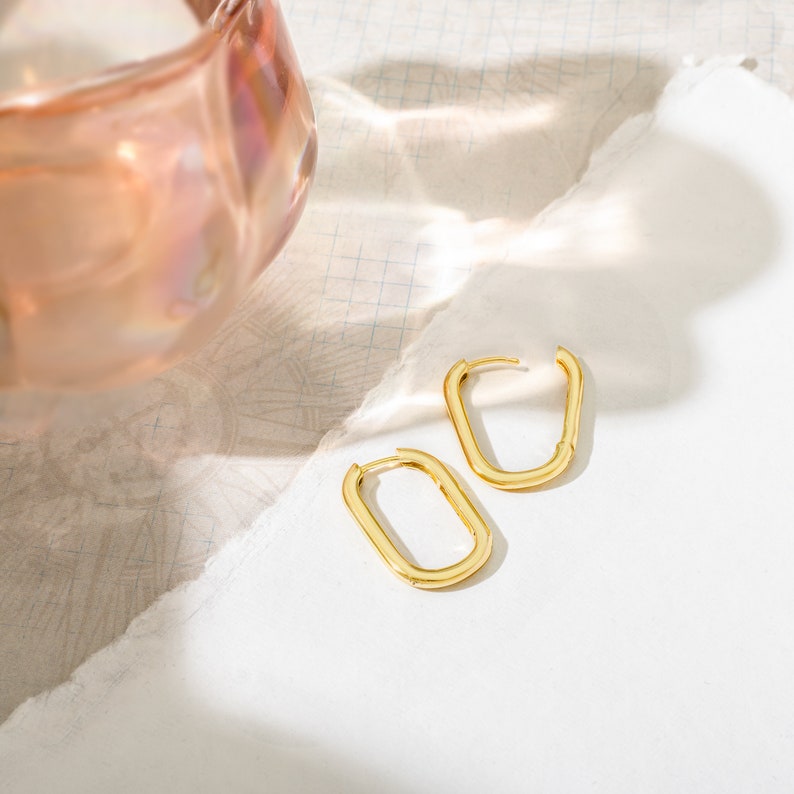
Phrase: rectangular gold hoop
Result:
[426,578]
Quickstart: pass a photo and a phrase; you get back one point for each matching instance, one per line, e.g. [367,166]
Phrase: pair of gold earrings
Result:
[431,578]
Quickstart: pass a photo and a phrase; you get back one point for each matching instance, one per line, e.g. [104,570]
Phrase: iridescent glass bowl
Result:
[138,204]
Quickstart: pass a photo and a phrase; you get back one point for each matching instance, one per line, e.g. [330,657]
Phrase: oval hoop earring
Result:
[516,480]
[426,578]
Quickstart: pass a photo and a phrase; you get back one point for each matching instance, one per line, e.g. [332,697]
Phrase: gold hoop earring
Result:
[516,480]
[426,578]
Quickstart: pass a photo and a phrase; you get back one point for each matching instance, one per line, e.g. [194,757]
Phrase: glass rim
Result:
[113,83]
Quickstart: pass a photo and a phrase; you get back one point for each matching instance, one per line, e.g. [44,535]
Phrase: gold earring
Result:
[426,578]
[516,480]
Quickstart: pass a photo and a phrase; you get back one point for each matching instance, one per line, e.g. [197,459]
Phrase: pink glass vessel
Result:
[138,204]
